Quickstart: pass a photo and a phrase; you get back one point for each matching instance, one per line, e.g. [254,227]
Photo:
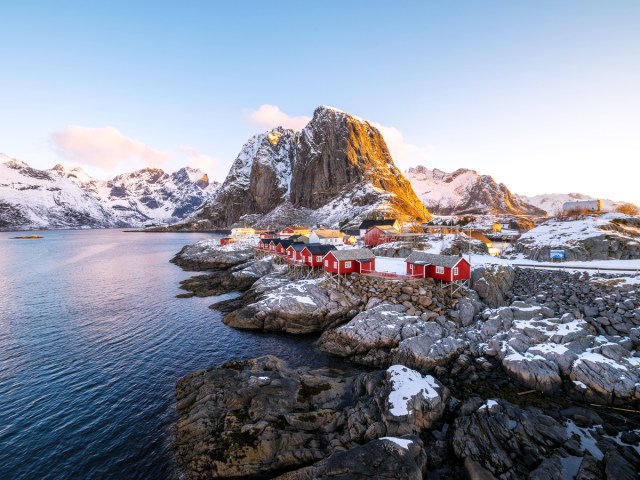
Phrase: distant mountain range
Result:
[464,192]
[69,198]
[337,171]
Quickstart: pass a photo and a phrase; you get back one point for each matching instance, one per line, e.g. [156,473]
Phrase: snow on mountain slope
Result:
[465,192]
[337,169]
[146,196]
[33,199]
[552,202]
[67,197]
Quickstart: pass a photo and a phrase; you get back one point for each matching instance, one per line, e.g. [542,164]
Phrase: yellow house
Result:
[242,232]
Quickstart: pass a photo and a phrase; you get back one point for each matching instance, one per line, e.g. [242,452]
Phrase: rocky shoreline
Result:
[533,374]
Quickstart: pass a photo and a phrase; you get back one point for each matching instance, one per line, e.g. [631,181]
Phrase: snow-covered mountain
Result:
[552,202]
[337,170]
[147,196]
[465,192]
[33,199]
[67,197]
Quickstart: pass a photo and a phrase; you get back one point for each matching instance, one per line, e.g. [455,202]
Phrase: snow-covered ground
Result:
[557,233]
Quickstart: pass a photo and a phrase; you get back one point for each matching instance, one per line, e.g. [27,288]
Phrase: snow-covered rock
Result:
[552,202]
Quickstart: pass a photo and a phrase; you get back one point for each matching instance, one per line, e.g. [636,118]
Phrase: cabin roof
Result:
[422,258]
[328,233]
[359,254]
[367,224]
[317,249]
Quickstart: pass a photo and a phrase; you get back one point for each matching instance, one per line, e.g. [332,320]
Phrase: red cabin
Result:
[355,260]
[227,241]
[448,268]
[378,234]
[313,254]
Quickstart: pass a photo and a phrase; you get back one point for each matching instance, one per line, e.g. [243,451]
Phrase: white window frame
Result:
[440,270]
[347,264]
[318,258]
[335,264]
[455,270]
[326,263]
[411,267]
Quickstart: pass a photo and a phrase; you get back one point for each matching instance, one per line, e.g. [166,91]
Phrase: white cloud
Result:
[404,154]
[270,116]
[106,148]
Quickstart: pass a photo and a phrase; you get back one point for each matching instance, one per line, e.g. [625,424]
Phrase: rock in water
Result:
[258,416]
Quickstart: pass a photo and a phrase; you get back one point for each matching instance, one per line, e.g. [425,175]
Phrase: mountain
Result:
[337,170]
[67,197]
[146,196]
[33,199]
[552,202]
[466,192]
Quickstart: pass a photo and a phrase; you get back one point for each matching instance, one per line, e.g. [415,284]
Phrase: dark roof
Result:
[298,246]
[284,242]
[352,231]
[423,258]
[358,254]
[318,249]
[367,224]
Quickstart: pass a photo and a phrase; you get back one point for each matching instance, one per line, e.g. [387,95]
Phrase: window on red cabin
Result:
[347,264]
[318,258]
[411,267]
[326,263]
[439,269]
[455,271]
[335,264]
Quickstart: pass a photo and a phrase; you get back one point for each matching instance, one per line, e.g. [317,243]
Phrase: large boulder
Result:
[369,337]
[298,307]
[493,284]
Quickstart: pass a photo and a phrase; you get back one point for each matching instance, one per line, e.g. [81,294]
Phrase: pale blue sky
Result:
[543,95]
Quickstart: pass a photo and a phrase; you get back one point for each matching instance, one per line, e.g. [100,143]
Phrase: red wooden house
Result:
[313,254]
[268,234]
[448,268]
[227,241]
[355,260]
[263,244]
[294,251]
[282,245]
[378,234]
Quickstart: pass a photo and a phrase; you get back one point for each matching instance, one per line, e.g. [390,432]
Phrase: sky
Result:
[542,95]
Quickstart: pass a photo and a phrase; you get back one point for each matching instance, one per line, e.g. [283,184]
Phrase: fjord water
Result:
[92,341]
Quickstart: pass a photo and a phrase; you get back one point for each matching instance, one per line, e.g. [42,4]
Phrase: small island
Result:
[27,237]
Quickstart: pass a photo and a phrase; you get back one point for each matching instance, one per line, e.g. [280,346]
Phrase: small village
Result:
[340,253]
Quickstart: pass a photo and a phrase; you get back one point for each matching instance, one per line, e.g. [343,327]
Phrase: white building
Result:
[327,237]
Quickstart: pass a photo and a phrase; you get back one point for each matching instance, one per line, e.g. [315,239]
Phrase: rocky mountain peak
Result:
[332,158]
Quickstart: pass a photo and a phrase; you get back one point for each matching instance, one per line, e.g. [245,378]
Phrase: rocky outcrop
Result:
[493,284]
[507,441]
[257,416]
[298,307]
[338,164]
[386,458]
[234,279]
[206,255]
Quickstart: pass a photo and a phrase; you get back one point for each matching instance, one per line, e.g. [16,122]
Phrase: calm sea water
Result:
[92,341]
